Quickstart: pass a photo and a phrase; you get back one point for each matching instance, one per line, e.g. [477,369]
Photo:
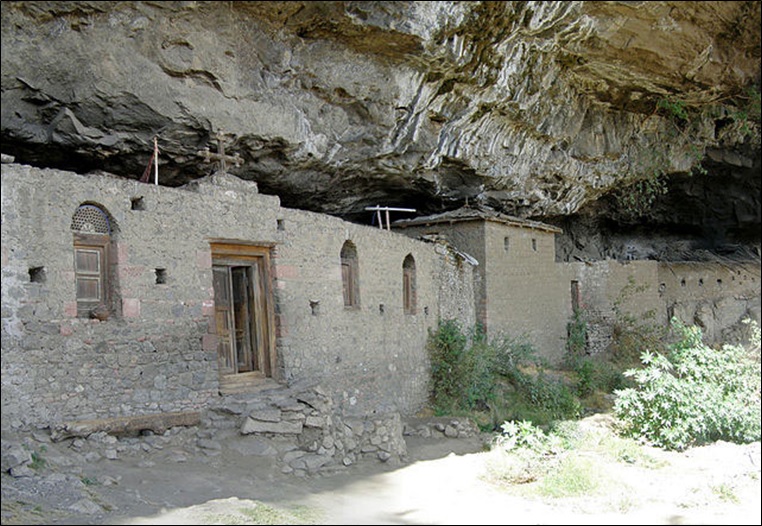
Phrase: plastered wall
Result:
[157,352]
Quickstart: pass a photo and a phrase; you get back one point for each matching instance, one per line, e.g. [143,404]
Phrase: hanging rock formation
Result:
[558,111]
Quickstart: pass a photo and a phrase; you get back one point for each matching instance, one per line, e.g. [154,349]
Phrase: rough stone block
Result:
[257,426]
[266,415]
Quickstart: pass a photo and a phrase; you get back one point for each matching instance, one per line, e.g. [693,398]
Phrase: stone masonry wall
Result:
[467,236]
[371,358]
[714,296]
[518,292]
[303,429]
[528,297]
[157,353]
[603,285]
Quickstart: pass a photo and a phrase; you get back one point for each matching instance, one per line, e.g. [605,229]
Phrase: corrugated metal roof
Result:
[468,213]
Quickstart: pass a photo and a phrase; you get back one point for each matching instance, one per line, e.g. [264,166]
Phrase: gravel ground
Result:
[169,480]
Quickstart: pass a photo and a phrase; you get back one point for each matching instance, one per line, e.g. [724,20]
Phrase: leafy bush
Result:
[576,329]
[524,434]
[693,394]
[554,398]
[597,374]
[459,370]
[471,373]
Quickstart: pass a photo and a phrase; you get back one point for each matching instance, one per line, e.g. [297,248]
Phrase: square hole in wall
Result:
[161,276]
[281,224]
[137,203]
[37,274]
[506,244]
[534,244]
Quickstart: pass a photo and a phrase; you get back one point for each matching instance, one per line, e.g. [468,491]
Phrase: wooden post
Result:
[156,160]
[386,209]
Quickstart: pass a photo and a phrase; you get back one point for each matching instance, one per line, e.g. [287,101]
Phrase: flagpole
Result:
[156,160]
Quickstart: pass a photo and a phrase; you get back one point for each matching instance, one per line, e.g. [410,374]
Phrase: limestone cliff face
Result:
[541,109]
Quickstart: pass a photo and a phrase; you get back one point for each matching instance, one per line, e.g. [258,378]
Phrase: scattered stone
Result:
[14,456]
[85,506]
[207,443]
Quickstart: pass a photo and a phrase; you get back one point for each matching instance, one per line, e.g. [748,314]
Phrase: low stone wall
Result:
[440,427]
[300,426]
[295,427]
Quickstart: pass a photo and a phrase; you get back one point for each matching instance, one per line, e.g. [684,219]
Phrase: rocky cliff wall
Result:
[580,111]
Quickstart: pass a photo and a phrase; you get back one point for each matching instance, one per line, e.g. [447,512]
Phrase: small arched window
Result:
[350,275]
[408,285]
[92,238]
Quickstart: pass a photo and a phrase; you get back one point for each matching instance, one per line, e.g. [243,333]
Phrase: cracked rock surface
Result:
[538,109]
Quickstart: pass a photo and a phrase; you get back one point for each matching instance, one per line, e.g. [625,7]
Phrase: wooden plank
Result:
[238,249]
[126,426]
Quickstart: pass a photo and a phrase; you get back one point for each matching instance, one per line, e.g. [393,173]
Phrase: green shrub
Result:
[576,329]
[460,368]
[470,373]
[525,435]
[693,394]
[554,398]
[585,369]
[595,373]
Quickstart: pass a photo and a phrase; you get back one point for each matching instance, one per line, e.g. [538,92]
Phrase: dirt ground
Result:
[443,481]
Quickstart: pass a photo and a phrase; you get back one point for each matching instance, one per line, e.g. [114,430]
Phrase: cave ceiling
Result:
[557,111]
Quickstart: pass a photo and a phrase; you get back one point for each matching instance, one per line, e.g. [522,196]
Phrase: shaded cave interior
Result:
[711,215]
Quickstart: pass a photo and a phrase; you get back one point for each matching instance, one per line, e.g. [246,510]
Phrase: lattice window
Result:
[89,219]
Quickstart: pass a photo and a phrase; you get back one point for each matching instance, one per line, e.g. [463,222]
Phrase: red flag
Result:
[147,173]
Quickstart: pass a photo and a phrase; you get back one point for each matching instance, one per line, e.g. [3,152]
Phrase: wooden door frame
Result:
[230,253]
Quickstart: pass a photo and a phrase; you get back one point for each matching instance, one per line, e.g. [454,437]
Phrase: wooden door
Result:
[225,320]
[243,310]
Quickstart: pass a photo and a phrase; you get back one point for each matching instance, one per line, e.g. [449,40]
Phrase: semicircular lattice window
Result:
[89,219]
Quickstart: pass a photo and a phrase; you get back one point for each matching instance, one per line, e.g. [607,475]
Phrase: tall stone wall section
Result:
[462,238]
[157,353]
[457,283]
[371,357]
[148,356]
[528,297]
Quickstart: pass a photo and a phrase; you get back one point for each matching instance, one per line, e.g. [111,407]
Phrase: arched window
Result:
[350,275]
[408,284]
[92,238]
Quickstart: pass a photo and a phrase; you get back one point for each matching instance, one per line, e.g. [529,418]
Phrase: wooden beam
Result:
[126,425]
